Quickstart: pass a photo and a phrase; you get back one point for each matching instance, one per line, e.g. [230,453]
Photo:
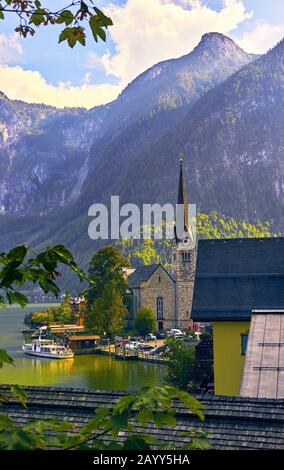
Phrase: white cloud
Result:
[30,86]
[262,37]
[148,31]
[10,48]
[144,33]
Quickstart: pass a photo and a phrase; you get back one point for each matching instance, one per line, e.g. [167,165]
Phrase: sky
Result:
[39,70]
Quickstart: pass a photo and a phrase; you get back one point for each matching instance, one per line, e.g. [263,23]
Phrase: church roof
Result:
[143,274]
[234,276]
[232,423]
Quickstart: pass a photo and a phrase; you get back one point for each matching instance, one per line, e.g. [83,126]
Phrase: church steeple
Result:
[183,255]
[182,204]
[182,194]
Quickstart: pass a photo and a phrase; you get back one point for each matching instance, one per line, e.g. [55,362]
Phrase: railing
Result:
[136,354]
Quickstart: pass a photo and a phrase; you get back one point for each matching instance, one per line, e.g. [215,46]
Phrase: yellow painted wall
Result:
[228,359]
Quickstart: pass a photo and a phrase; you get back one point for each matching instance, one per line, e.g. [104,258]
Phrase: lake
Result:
[87,371]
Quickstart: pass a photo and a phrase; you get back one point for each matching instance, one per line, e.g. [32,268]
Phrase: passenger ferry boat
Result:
[47,348]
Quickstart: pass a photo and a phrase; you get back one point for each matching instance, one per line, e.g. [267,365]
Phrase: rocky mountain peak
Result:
[215,44]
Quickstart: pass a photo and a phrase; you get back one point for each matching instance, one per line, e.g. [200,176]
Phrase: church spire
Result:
[182,195]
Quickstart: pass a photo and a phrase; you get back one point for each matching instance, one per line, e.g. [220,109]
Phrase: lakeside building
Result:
[84,343]
[239,286]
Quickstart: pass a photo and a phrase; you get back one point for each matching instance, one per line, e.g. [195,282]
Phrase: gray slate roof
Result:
[233,276]
[233,422]
[143,274]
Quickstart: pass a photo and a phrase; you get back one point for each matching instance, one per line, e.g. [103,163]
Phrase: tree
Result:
[181,363]
[61,314]
[144,321]
[41,318]
[107,266]
[32,14]
[108,312]
[184,371]
[64,313]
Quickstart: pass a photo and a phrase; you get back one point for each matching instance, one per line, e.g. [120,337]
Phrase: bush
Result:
[184,370]
[145,321]
[181,363]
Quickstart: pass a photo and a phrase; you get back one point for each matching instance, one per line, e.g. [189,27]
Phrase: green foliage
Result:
[146,251]
[107,314]
[19,394]
[107,294]
[184,371]
[5,358]
[208,226]
[32,14]
[152,406]
[106,267]
[216,225]
[145,321]
[17,268]
[61,314]
[181,363]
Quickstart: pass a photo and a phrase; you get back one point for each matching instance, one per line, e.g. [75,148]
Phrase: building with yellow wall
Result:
[229,340]
[234,277]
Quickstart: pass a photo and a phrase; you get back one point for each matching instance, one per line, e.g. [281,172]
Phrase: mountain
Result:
[233,141]
[43,154]
[46,154]
[178,82]
[231,131]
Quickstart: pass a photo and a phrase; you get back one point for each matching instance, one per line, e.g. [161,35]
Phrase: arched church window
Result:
[160,308]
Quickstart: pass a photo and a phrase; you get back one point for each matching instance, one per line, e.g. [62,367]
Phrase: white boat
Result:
[47,348]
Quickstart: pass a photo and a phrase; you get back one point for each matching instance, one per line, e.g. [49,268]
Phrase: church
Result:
[169,295]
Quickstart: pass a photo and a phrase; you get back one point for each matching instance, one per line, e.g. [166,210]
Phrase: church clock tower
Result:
[183,259]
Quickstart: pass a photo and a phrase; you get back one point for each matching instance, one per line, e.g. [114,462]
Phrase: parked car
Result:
[175,332]
[144,347]
[156,351]
[161,334]
[150,337]
[133,345]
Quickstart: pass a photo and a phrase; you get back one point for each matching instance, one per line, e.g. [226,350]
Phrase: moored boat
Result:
[47,348]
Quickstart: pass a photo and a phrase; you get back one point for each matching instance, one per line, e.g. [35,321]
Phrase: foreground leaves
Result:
[17,268]
[5,358]
[32,15]
[116,429]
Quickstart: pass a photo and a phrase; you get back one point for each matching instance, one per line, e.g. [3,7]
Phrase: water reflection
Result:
[52,367]
[90,371]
